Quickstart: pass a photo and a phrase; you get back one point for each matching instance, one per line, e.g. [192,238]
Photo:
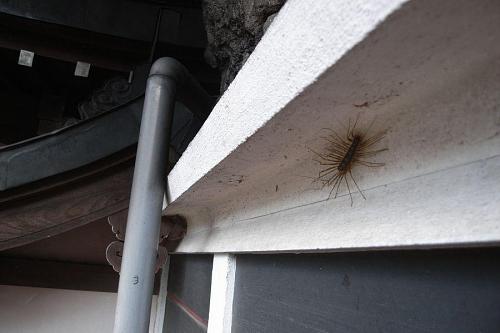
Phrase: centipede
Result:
[343,153]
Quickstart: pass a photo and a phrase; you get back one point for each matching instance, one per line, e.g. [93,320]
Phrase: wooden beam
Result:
[52,209]
[71,44]
[60,275]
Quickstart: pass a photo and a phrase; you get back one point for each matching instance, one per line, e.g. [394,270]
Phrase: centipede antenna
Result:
[371,124]
[373,140]
[341,123]
[370,153]
[370,165]
[355,122]
[348,129]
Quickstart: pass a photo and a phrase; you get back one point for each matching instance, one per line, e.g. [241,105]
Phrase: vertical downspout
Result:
[167,80]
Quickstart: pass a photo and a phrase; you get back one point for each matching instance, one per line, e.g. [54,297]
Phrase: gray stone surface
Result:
[233,30]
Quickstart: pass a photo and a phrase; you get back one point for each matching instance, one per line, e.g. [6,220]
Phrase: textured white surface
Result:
[305,39]
[430,75]
[41,310]
[220,316]
[161,300]
[435,210]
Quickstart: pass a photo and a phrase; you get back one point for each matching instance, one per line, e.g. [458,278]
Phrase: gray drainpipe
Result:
[168,81]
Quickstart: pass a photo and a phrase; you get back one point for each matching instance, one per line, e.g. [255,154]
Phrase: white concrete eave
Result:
[427,71]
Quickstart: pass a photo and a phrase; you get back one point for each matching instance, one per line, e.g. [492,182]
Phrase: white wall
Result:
[40,310]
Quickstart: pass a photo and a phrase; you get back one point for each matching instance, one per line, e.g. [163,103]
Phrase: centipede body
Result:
[343,153]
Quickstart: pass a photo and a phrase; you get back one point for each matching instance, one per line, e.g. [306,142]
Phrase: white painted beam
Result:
[304,40]
[454,207]
[221,293]
[161,301]
[427,71]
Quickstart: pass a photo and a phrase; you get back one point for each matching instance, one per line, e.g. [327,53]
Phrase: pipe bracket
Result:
[172,230]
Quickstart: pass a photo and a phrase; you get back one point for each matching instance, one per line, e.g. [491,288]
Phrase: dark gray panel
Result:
[189,282]
[178,322]
[417,291]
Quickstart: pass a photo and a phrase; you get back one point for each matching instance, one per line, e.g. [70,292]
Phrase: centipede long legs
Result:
[343,153]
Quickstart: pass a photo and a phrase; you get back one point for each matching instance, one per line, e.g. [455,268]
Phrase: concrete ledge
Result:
[428,72]
[304,40]
[457,207]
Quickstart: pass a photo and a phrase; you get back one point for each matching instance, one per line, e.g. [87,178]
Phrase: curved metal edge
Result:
[78,146]
[70,127]
[189,91]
